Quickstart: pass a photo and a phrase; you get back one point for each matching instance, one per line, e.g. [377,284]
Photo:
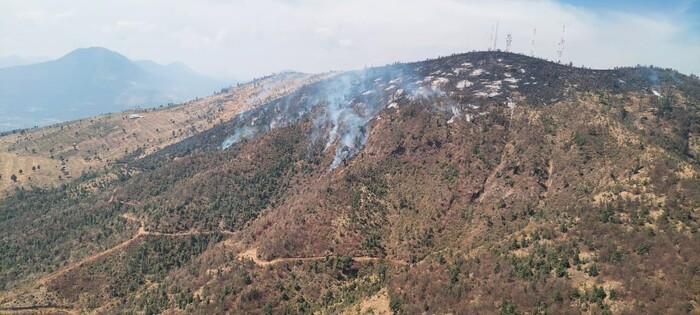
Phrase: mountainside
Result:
[14,60]
[476,183]
[46,157]
[92,81]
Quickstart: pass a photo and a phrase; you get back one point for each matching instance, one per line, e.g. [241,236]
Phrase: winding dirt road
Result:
[45,279]
[35,310]
[252,254]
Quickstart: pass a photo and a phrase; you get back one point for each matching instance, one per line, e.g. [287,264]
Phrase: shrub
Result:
[395,306]
[642,248]
[598,294]
[593,271]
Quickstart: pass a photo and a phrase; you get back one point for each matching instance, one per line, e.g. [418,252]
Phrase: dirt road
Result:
[252,254]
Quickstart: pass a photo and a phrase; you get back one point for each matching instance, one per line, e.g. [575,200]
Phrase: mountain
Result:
[477,183]
[66,150]
[91,81]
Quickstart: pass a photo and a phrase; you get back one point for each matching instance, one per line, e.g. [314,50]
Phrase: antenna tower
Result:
[532,48]
[490,39]
[495,38]
[509,40]
[560,52]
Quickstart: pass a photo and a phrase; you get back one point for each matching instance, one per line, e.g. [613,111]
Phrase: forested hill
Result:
[484,182]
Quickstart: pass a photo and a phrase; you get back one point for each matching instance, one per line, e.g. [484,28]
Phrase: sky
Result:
[244,39]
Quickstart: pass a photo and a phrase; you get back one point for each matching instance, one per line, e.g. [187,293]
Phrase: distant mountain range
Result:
[90,81]
[14,60]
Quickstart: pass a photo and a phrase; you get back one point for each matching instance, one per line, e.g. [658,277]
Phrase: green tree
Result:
[395,306]
[267,309]
[593,271]
[598,294]
[508,308]
[642,248]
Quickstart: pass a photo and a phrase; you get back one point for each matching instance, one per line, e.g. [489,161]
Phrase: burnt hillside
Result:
[475,183]
[465,83]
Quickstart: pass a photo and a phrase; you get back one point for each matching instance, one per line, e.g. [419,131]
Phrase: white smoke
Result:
[343,106]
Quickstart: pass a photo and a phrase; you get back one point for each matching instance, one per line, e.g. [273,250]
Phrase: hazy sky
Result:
[247,38]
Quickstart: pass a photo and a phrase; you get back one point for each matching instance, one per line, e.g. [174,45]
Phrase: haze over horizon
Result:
[350,157]
[248,38]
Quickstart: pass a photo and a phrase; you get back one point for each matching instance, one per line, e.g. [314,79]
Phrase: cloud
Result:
[345,42]
[64,14]
[190,38]
[131,26]
[30,14]
[323,33]
[42,15]
[247,38]
[329,38]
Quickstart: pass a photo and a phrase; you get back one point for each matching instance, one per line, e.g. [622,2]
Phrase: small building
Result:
[134,116]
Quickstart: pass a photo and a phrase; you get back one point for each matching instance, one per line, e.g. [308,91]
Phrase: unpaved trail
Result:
[38,310]
[141,232]
[91,258]
[252,254]
[45,279]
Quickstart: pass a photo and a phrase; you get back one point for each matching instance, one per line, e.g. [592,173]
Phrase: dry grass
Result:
[377,304]
[62,151]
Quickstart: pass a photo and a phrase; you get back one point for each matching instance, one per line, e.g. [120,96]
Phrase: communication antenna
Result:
[509,40]
[532,48]
[490,39]
[560,52]
[495,38]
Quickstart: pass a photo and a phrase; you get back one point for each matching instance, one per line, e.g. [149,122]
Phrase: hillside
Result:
[484,182]
[92,81]
[46,157]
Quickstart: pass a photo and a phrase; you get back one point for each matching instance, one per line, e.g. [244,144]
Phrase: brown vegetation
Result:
[586,204]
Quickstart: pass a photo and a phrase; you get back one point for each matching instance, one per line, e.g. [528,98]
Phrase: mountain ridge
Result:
[492,182]
[90,81]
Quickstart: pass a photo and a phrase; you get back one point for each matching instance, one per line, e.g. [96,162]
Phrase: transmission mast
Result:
[489,47]
[509,40]
[560,51]
[495,38]
[532,48]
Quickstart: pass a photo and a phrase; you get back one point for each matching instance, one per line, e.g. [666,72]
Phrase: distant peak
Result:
[95,48]
[93,52]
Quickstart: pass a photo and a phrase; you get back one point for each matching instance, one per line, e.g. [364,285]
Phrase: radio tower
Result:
[509,40]
[560,52]
[495,38]
[532,49]
[490,40]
